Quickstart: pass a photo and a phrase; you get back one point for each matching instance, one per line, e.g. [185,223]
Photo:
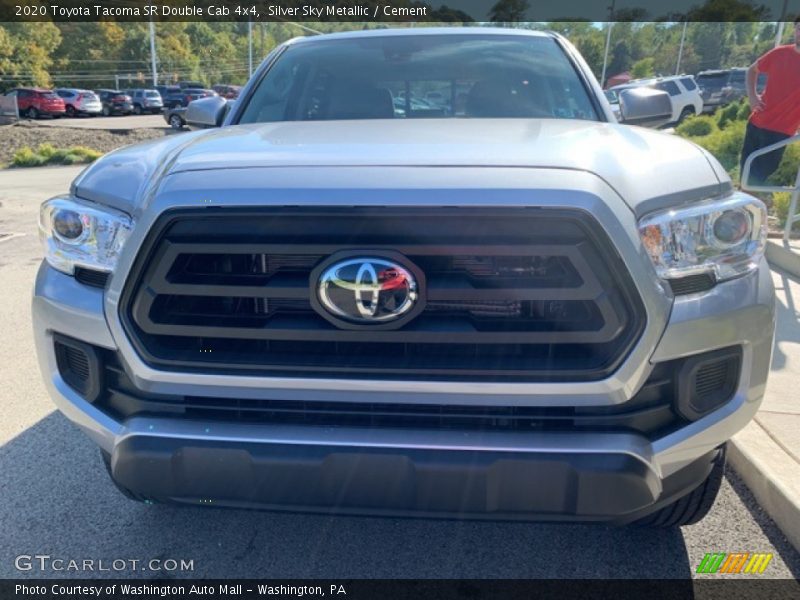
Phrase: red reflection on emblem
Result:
[391,279]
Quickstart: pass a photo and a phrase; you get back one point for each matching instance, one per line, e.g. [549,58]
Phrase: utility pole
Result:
[608,41]
[250,46]
[153,51]
[781,23]
[680,50]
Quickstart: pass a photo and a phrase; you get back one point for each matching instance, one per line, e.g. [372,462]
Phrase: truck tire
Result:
[176,122]
[692,507]
[130,495]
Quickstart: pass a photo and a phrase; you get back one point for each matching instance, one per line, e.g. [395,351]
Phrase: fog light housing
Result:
[707,381]
[79,365]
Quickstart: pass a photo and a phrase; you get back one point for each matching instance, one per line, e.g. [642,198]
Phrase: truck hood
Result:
[646,168]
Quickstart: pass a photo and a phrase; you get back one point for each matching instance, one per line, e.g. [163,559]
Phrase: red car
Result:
[35,102]
[231,92]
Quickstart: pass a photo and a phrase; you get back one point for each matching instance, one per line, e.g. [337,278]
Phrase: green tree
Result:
[6,51]
[32,46]
[643,68]
[509,11]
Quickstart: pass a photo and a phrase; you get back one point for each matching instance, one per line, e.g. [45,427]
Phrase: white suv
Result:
[682,89]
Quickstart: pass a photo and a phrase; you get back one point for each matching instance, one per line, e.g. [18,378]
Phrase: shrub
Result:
[696,127]
[744,111]
[726,144]
[728,114]
[25,157]
[47,154]
[786,173]
[46,150]
[780,204]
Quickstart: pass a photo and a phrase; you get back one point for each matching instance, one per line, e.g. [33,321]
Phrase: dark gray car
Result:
[145,101]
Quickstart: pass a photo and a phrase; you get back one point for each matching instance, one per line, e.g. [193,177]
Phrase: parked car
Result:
[613,100]
[229,92]
[145,100]
[191,84]
[171,95]
[526,310]
[175,117]
[417,107]
[115,102]
[37,102]
[80,102]
[720,87]
[163,89]
[184,96]
[682,89]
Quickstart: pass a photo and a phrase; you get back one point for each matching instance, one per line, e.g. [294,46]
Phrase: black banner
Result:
[505,11]
[545,589]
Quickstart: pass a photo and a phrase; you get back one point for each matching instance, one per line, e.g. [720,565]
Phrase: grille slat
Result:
[542,290]
[649,412]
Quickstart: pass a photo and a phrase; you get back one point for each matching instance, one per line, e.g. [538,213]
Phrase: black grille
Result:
[650,412]
[511,294]
[91,277]
[692,284]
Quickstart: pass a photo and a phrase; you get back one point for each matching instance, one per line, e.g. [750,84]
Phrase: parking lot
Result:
[108,123]
[56,498]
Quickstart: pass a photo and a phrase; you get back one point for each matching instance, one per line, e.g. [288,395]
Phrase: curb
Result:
[782,257]
[771,474]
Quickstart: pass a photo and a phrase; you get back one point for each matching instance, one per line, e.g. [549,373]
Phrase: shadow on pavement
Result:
[57,499]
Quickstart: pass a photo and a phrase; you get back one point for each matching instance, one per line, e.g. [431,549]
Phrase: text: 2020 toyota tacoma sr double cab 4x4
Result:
[420,272]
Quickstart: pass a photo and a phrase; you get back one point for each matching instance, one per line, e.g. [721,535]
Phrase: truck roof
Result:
[415,31]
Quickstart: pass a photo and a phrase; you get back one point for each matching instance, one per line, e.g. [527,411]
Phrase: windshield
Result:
[402,77]
[152,94]
[712,80]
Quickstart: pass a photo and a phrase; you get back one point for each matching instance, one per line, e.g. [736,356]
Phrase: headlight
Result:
[724,237]
[78,233]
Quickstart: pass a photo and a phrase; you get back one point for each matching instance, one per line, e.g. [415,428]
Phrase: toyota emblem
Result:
[367,290]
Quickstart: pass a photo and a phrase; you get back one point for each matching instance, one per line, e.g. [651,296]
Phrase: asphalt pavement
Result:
[56,499]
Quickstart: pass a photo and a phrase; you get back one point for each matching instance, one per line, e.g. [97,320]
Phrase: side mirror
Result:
[206,112]
[645,106]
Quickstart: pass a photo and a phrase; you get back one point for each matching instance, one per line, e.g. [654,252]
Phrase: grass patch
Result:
[47,154]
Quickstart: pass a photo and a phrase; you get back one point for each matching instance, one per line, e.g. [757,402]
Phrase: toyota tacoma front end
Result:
[414,272]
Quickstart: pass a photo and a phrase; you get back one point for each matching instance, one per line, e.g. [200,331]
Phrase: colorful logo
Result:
[738,562]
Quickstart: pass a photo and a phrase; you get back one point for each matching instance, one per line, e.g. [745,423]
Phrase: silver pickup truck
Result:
[418,272]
